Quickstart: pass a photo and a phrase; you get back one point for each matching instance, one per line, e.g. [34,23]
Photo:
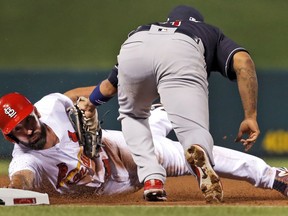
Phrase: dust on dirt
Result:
[182,191]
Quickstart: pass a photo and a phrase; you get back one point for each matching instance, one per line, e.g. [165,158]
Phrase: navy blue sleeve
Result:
[113,76]
[219,49]
[225,50]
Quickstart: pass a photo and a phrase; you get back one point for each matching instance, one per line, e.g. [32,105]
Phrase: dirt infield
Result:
[182,191]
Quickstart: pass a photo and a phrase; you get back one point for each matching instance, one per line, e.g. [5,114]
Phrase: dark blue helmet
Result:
[185,13]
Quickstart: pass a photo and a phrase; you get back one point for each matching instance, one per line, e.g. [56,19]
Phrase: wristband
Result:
[97,98]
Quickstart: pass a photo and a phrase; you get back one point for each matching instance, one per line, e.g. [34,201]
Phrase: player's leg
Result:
[242,166]
[238,165]
[183,89]
[171,155]
[229,163]
[136,92]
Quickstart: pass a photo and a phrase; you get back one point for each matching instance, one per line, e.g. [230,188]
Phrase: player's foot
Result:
[281,181]
[154,190]
[208,180]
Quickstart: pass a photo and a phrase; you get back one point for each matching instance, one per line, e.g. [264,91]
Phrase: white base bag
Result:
[11,197]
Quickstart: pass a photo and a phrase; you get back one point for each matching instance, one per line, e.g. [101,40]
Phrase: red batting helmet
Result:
[14,107]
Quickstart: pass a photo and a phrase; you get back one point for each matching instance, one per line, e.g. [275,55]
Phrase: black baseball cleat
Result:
[281,181]
[154,191]
[208,180]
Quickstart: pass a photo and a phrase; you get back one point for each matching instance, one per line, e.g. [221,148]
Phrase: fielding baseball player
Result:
[48,151]
[172,60]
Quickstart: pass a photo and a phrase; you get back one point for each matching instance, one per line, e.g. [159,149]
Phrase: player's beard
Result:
[39,143]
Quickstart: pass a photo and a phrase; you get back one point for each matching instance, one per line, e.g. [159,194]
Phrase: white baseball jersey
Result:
[68,170]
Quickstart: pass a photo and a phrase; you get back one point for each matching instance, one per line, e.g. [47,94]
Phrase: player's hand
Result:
[22,179]
[250,127]
[84,104]
[84,118]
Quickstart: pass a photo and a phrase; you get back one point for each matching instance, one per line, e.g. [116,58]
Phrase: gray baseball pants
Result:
[162,62]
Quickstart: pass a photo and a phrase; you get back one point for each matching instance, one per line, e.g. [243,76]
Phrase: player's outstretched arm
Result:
[102,93]
[107,89]
[75,93]
[98,95]
[23,179]
[248,90]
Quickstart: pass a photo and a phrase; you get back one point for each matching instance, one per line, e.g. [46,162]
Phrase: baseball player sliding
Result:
[48,151]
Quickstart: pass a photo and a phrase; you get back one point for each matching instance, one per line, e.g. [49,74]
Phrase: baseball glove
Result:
[88,130]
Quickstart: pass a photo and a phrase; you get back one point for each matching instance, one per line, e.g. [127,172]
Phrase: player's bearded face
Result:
[31,132]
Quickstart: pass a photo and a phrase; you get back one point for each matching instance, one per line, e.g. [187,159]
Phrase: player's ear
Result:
[36,112]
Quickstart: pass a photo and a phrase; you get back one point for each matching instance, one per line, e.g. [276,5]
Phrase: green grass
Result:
[142,211]
[277,162]
[4,167]
[88,34]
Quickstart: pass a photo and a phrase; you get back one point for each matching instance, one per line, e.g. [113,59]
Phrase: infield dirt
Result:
[181,191]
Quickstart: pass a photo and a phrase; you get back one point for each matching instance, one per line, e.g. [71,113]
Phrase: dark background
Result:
[55,45]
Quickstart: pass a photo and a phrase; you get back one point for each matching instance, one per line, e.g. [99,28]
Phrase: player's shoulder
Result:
[207,27]
[53,98]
